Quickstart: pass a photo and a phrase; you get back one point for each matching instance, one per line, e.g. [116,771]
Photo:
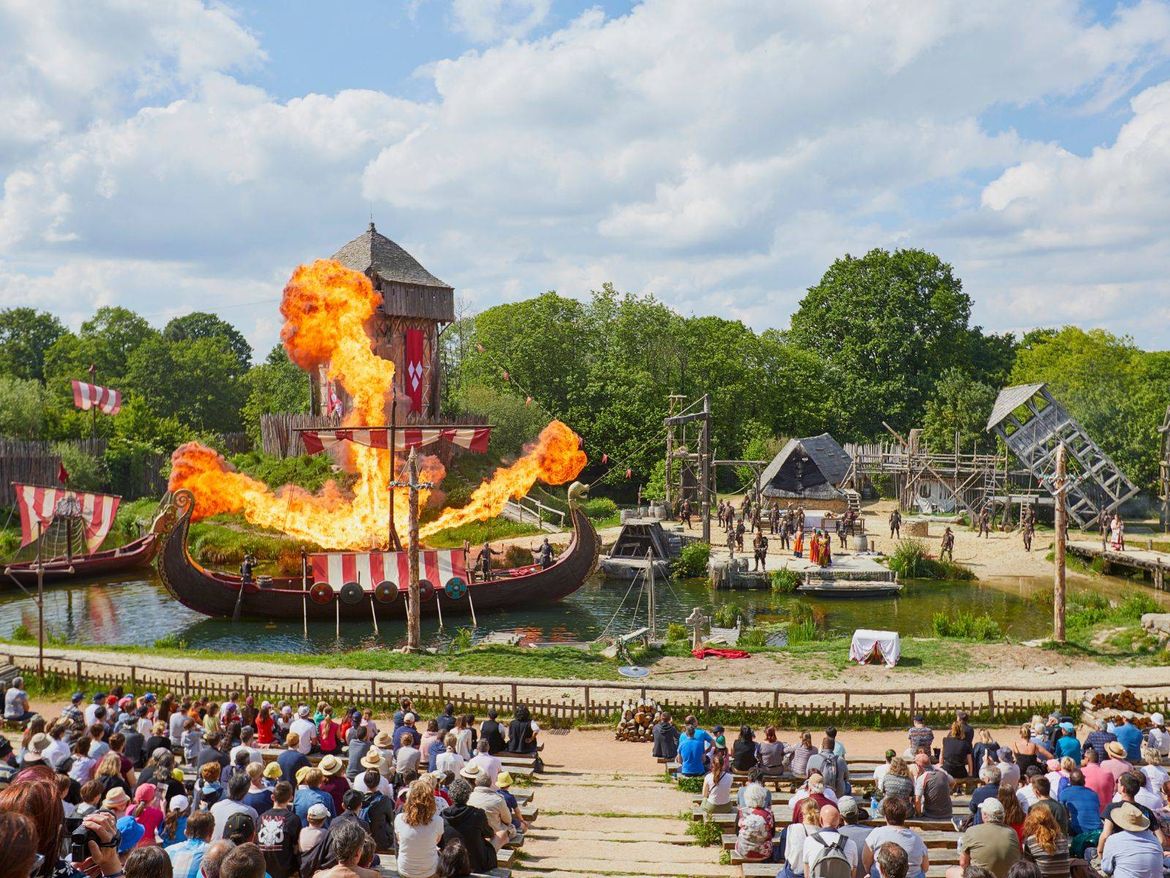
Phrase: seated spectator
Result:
[523,732]
[495,808]
[796,835]
[1132,850]
[1067,745]
[1013,814]
[406,758]
[259,795]
[829,842]
[449,760]
[418,830]
[492,732]
[932,791]
[16,706]
[772,753]
[920,736]
[246,861]
[755,826]
[174,828]
[801,754]
[883,768]
[890,861]
[454,861]
[854,827]
[666,738]
[745,752]
[313,829]
[988,789]
[233,804]
[470,825]
[1044,799]
[897,782]
[145,810]
[334,782]
[1097,739]
[348,847]
[1009,772]
[187,856]
[148,862]
[957,757]
[815,790]
[1097,778]
[989,844]
[1084,814]
[832,768]
[1156,776]
[1045,844]
[1116,763]
[755,779]
[309,793]
[692,751]
[985,750]
[894,811]
[279,832]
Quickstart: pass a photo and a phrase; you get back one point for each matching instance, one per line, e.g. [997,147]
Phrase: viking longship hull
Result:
[217,594]
[138,553]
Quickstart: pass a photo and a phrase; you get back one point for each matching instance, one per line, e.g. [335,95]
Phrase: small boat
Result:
[351,585]
[642,541]
[849,588]
[82,516]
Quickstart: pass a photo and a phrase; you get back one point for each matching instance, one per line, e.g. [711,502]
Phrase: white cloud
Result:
[717,154]
[487,21]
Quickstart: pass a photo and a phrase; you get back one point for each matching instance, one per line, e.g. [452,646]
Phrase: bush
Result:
[309,471]
[1134,607]
[726,616]
[690,784]
[785,581]
[692,561]
[966,626]
[705,833]
[599,508]
[909,559]
[676,631]
[86,472]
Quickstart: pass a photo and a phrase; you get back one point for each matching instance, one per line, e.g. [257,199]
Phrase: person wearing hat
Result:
[1157,736]
[72,712]
[1066,745]
[1116,762]
[232,804]
[372,763]
[1132,850]
[314,829]
[174,827]
[854,816]
[38,746]
[504,786]
[334,783]
[116,800]
[240,828]
[305,730]
[131,833]
[989,844]
[407,728]
[309,793]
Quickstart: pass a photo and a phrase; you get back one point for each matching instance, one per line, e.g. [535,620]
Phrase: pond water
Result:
[137,610]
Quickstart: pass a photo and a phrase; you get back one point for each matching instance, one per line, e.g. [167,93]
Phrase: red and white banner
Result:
[367,569]
[88,396]
[38,504]
[414,368]
[472,438]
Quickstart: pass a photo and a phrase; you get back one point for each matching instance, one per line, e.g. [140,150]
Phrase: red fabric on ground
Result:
[709,652]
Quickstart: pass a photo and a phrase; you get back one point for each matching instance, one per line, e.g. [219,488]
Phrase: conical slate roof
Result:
[373,250]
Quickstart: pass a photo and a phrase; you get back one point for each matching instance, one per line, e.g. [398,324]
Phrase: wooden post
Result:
[1058,492]
[705,469]
[588,706]
[413,623]
[41,600]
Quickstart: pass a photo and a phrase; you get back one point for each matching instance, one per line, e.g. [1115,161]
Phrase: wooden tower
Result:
[1033,424]
[415,308]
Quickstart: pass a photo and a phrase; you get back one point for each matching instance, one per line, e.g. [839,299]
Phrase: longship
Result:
[68,527]
[351,585]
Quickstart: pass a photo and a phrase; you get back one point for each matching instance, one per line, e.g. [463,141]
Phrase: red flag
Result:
[507,377]
[414,368]
[629,472]
[528,400]
[62,473]
[605,458]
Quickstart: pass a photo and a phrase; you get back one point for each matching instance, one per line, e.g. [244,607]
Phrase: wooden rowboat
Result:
[137,553]
[218,594]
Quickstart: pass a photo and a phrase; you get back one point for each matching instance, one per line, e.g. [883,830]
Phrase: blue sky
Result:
[720,155]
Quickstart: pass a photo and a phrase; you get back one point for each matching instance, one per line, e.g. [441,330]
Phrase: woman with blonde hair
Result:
[1156,776]
[1027,751]
[985,749]
[957,757]
[109,772]
[1044,843]
[419,830]
[897,782]
[794,838]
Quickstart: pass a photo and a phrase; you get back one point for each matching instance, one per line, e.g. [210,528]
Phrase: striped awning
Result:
[368,569]
[41,505]
[472,438]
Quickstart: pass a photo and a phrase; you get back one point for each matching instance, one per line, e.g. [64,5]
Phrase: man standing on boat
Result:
[484,561]
[544,555]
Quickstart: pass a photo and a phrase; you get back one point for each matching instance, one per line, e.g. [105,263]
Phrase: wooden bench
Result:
[935,840]
[769,870]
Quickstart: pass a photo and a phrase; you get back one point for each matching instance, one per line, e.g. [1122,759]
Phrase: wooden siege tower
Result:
[1033,425]
[416,306]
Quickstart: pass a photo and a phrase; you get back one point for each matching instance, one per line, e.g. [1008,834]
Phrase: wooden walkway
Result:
[1143,560]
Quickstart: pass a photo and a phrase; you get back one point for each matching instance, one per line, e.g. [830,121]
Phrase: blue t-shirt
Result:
[1084,809]
[690,755]
[1067,745]
[1130,737]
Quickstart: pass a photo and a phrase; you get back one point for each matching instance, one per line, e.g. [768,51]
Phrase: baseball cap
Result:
[847,805]
[991,807]
[240,824]
[179,803]
[77,696]
[318,812]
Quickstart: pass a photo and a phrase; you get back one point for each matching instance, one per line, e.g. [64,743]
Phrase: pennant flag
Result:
[605,458]
[42,505]
[507,377]
[414,368]
[62,473]
[528,400]
[629,472]
[105,400]
[471,438]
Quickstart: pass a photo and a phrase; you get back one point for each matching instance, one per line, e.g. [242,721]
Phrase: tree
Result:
[200,324]
[25,336]
[889,324]
[276,385]
[1117,392]
[195,381]
[23,402]
[959,404]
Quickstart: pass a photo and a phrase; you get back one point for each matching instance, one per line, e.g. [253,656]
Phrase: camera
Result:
[79,837]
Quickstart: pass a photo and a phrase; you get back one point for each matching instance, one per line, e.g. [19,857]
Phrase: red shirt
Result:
[1100,781]
[265,730]
[327,736]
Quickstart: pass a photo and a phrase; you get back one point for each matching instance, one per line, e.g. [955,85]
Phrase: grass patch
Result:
[222,541]
[965,625]
[911,560]
[479,532]
[690,784]
[785,581]
[704,834]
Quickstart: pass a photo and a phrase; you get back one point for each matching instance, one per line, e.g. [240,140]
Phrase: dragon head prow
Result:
[578,491]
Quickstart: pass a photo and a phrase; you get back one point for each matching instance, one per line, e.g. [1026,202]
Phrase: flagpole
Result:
[93,411]
[40,601]
[395,543]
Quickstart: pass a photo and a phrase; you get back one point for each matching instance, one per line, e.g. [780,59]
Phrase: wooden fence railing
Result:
[566,701]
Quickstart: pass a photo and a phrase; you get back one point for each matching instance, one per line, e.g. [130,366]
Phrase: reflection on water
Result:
[138,610]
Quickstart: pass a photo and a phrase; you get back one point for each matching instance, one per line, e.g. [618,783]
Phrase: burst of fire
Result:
[326,307]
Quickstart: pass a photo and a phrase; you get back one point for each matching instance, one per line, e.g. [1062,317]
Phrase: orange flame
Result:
[326,307]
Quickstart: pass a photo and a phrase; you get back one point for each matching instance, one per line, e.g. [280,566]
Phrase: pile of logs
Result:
[637,721]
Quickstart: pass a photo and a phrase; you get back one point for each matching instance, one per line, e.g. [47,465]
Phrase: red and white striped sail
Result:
[41,505]
[472,438]
[104,399]
[369,568]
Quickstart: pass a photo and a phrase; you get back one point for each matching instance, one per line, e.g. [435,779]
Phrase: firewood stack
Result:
[637,721]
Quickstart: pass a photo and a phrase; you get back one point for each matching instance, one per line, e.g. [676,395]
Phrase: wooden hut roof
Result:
[1010,399]
[828,459]
[371,250]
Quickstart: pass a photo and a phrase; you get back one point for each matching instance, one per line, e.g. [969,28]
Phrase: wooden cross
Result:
[413,625]
[697,621]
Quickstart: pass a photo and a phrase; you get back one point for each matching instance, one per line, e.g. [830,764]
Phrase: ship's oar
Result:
[239,604]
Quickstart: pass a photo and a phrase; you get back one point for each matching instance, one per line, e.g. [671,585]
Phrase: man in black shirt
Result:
[665,738]
[492,732]
[278,832]
[470,824]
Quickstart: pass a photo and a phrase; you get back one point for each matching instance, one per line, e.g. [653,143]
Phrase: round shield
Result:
[321,592]
[426,590]
[351,593]
[455,588]
[386,592]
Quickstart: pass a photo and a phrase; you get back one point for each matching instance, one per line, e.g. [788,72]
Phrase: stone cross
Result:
[697,621]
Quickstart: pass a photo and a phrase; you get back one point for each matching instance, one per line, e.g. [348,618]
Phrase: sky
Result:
[179,155]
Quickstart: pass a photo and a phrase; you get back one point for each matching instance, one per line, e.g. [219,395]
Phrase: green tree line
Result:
[882,338]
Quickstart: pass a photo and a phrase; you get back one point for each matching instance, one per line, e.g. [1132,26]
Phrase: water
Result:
[138,611]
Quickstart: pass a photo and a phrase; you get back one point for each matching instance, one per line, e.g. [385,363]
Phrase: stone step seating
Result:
[936,840]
